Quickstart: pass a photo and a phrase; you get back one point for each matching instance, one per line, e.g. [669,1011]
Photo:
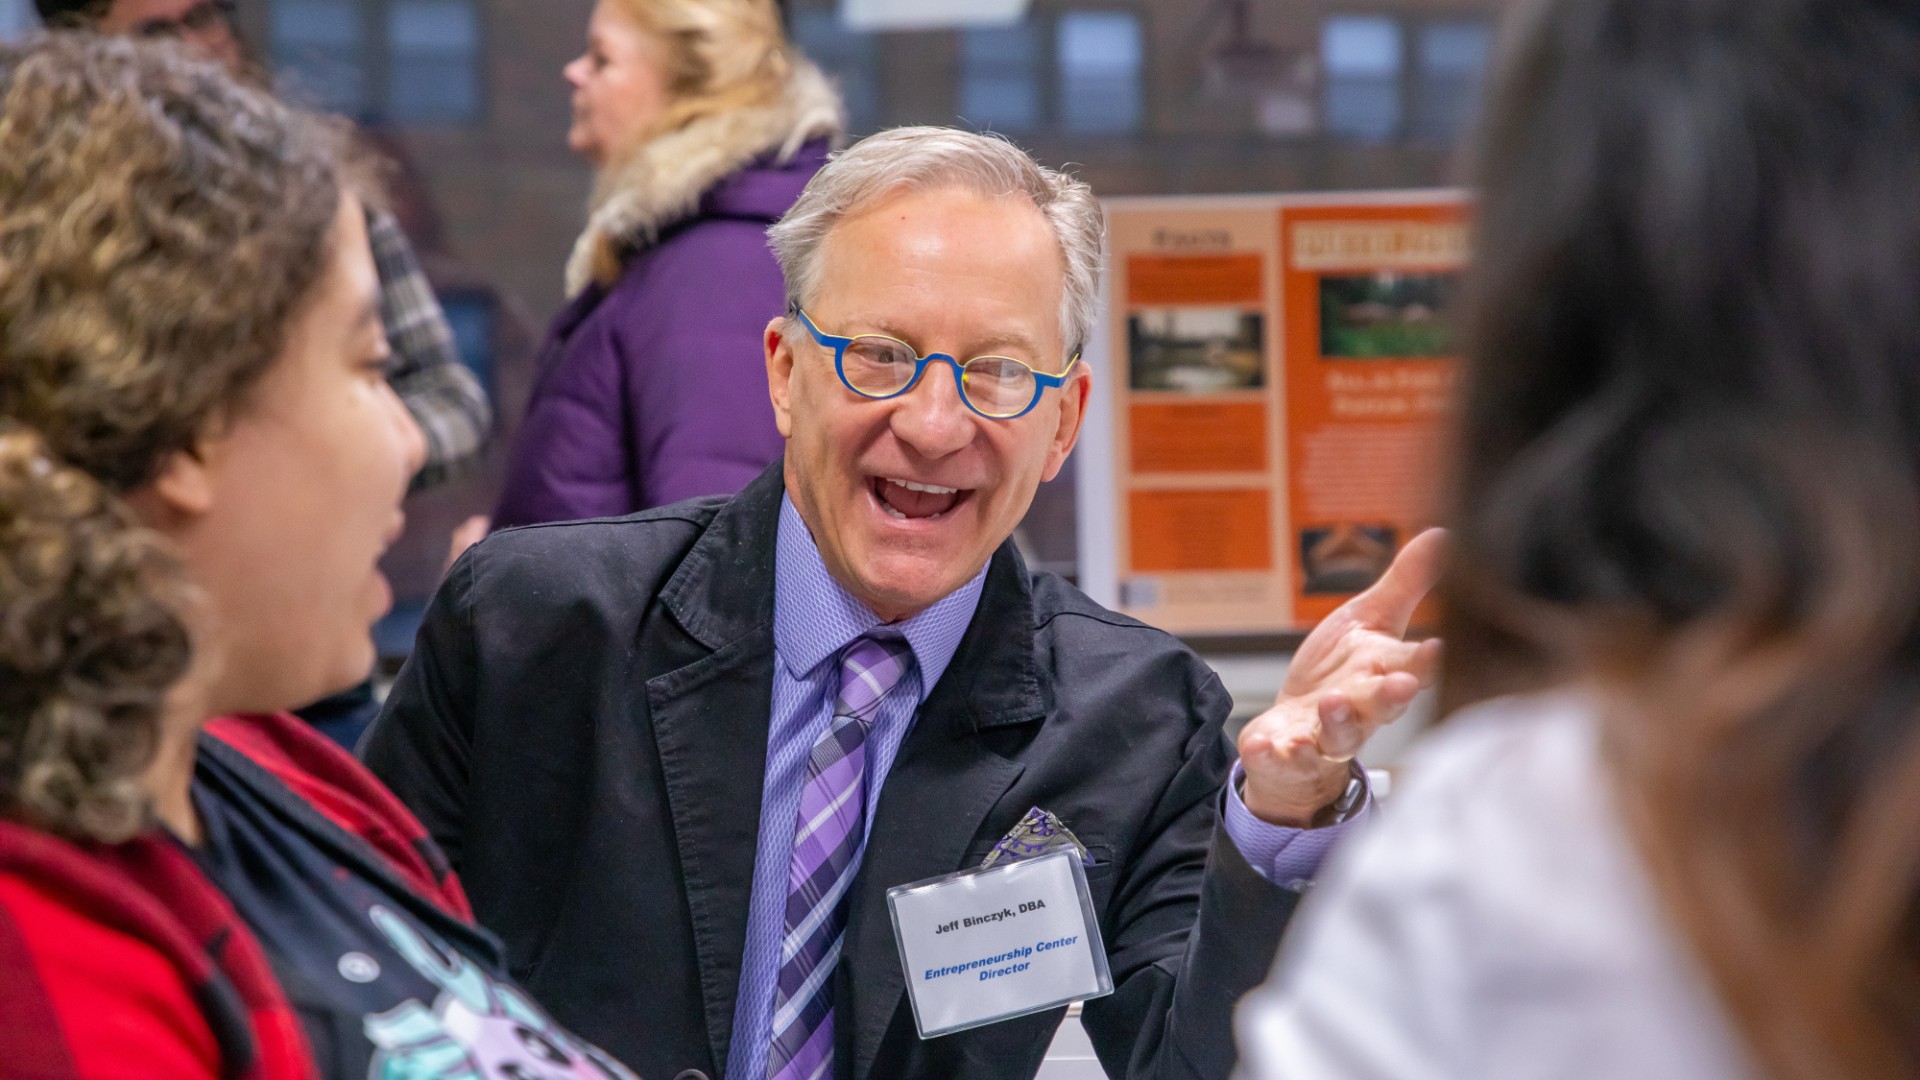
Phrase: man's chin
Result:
[900,588]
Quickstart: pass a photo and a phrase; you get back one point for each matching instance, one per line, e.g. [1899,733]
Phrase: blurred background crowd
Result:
[467,101]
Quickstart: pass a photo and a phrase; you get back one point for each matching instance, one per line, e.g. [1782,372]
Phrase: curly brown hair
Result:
[163,225]
[79,697]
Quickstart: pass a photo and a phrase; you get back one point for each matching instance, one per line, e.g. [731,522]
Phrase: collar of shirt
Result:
[814,617]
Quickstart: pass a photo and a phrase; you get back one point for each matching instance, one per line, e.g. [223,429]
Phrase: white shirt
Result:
[1495,924]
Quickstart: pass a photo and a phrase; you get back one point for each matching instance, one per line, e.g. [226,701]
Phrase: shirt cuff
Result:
[1284,856]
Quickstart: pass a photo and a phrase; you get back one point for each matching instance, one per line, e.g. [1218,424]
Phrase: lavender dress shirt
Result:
[814,618]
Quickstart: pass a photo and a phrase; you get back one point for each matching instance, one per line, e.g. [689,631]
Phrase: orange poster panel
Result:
[1370,374]
[1200,530]
[1194,279]
[1198,437]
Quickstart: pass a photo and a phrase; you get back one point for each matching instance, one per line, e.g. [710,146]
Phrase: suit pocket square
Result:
[1038,833]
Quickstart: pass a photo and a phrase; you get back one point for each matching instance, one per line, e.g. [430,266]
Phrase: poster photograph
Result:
[1385,316]
[1196,350]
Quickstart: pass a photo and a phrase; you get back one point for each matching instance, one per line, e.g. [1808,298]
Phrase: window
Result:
[433,58]
[318,48]
[1451,58]
[1362,57]
[848,57]
[16,18]
[999,78]
[1100,58]
[405,61]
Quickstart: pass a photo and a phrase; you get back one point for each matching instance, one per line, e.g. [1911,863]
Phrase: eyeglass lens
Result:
[882,367]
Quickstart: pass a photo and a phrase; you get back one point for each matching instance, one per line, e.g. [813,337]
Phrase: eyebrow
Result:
[1011,340]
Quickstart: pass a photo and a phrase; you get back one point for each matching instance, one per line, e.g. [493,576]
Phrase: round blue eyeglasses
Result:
[880,367]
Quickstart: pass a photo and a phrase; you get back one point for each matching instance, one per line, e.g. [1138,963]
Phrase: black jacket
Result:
[583,727]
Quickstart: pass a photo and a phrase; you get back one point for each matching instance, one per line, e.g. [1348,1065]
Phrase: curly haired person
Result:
[201,463]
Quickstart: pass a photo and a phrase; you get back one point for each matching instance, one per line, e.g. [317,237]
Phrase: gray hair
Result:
[923,158]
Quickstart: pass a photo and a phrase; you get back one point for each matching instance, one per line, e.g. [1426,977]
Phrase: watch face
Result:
[1350,798]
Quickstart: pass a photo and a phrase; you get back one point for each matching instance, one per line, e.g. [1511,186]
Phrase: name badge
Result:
[982,946]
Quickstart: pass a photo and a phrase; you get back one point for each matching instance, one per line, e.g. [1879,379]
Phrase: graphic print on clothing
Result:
[387,987]
[478,1028]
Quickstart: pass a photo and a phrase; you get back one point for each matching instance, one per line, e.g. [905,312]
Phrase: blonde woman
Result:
[705,124]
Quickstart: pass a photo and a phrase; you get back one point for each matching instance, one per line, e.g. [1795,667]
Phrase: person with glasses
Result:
[680,757]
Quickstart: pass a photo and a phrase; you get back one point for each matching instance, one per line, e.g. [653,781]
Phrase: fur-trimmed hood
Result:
[662,183]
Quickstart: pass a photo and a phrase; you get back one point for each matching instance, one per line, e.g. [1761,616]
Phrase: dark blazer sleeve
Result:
[1193,926]
[421,744]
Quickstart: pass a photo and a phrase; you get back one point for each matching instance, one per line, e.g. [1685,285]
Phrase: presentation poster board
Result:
[1280,381]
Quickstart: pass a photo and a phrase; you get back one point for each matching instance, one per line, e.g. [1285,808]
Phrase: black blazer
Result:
[583,727]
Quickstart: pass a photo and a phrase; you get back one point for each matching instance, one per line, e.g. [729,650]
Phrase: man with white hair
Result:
[680,758]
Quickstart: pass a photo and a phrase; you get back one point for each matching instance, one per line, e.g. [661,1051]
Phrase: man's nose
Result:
[932,417]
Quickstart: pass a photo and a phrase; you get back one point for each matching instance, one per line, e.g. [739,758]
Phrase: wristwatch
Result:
[1342,809]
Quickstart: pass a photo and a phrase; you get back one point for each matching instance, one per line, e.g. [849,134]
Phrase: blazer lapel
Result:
[710,720]
[711,716]
[938,796]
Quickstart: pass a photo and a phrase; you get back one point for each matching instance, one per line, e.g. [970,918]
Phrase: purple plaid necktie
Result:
[826,855]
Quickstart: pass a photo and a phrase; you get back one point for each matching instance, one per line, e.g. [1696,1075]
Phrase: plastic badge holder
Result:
[1078,970]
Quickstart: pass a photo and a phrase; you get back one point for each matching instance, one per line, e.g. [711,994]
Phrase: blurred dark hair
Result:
[1690,474]
[71,14]
[162,226]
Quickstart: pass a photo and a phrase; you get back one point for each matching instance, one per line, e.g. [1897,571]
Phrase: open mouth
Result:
[905,500]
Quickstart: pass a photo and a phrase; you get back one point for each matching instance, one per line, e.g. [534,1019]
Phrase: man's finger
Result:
[1425,664]
[1339,736]
[1384,656]
[1388,605]
[1367,705]
[1381,656]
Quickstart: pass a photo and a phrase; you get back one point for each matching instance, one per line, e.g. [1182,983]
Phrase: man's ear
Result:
[1073,413]
[780,375]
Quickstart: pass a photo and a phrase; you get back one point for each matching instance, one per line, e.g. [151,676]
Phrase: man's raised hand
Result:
[1352,675]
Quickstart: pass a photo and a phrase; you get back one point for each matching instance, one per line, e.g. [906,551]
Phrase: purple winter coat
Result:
[655,390]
